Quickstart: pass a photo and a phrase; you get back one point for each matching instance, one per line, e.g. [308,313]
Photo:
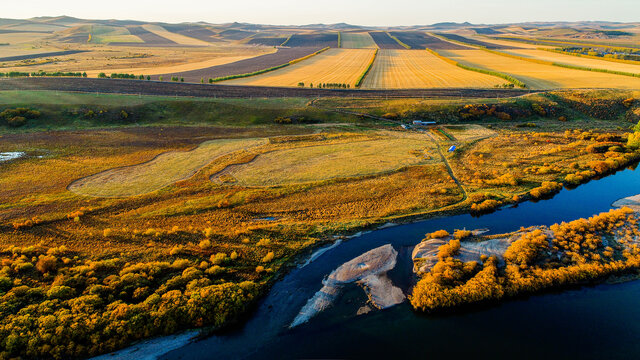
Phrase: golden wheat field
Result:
[397,69]
[577,60]
[165,169]
[175,37]
[541,76]
[357,41]
[330,161]
[334,66]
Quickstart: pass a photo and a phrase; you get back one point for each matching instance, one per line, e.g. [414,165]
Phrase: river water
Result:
[595,322]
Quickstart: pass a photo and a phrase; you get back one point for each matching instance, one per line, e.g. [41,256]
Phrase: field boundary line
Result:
[367,70]
[339,39]
[504,76]
[287,40]
[550,63]
[399,41]
[273,68]
[623,61]
[553,63]
[537,41]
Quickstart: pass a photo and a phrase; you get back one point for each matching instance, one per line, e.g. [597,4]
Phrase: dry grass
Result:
[331,161]
[19,38]
[397,69]
[357,41]
[177,38]
[338,66]
[469,132]
[163,170]
[541,76]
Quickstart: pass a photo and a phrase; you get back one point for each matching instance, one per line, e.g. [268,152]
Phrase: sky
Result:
[358,12]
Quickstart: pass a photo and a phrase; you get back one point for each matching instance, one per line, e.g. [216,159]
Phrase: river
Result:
[600,321]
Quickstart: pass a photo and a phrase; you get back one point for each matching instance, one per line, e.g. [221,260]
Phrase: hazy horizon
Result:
[356,12]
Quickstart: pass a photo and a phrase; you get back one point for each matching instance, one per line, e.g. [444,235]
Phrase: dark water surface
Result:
[599,322]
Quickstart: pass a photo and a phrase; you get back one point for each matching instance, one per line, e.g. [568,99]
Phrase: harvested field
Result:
[165,169]
[147,36]
[506,44]
[267,41]
[541,76]
[331,161]
[414,69]
[334,66]
[282,56]
[136,87]
[384,41]
[176,38]
[488,45]
[421,40]
[314,40]
[41,55]
[156,70]
[577,60]
[352,40]
[194,32]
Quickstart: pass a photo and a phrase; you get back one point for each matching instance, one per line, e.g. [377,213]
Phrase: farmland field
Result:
[146,36]
[267,41]
[471,41]
[395,69]
[331,161]
[282,56]
[177,38]
[420,40]
[352,40]
[541,76]
[384,41]
[334,66]
[577,60]
[320,40]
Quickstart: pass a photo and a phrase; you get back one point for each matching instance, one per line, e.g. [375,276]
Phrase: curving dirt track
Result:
[138,87]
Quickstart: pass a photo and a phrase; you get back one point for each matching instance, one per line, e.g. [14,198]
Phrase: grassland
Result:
[396,69]
[335,66]
[165,169]
[326,161]
[352,40]
[541,76]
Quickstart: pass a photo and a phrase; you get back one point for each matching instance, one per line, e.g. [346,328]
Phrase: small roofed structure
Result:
[452,148]
[423,123]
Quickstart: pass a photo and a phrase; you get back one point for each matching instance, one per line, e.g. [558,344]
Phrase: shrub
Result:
[60,292]
[547,188]
[46,263]
[218,259]
[269,257]
[438,234]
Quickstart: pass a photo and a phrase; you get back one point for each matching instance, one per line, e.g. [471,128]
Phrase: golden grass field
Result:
[357,41]
[541,76]
[177,38]
[397,69]
[332,161]
[577,60]
[338,66]
[163,170]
